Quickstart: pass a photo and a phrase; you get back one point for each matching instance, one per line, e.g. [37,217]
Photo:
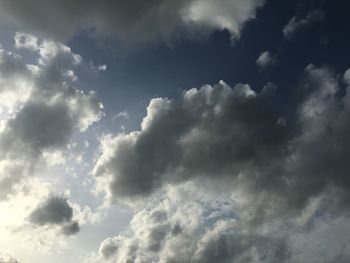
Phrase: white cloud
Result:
[122,115]
[102,67]
[26,41]
[265,59]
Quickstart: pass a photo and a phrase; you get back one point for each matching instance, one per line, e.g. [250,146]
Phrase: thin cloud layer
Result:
[132,24]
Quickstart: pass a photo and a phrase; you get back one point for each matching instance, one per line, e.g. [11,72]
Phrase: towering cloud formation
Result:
[131,23]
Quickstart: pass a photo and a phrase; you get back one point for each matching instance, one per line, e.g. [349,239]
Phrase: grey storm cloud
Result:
[297,23]
[282,155]
[131,23]
[55,211]
[40,105]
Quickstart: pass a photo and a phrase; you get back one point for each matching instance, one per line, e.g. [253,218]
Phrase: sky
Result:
[174,131]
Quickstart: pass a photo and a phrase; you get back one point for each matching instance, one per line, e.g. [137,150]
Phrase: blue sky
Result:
[180,131]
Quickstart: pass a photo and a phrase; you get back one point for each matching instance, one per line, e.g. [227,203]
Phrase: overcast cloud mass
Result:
[174,131]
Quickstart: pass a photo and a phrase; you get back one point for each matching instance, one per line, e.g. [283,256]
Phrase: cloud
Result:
[190,226]
[265,59]
[6,258]
[297,23]
[122,115]
[26,41]
[327,235]
[42,221]
[275,157]
[55,211]
[131,24]
[212,130]
[40,107]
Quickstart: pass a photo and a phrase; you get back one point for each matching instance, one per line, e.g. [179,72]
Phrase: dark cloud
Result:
[55,211]
[131,23]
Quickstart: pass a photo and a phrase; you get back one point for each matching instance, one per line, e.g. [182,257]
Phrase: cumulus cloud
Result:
[40,107]
[281,172]
[276,158]
[131,24]
[265,59]
[55,211]
[297,23]
[212,130]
